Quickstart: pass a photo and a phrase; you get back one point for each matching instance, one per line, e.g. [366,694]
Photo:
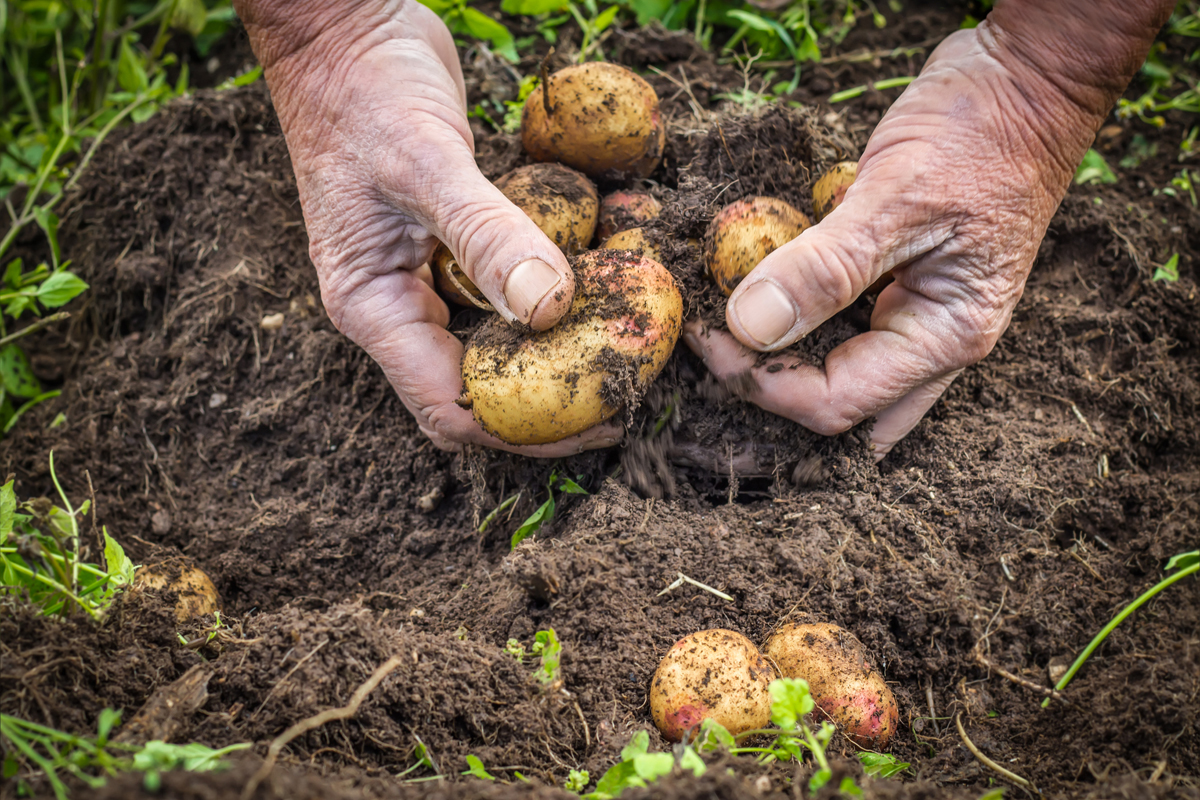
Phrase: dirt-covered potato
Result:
[195,592]
[844,685]
[452,282]
[622,211]
[633,239]
[597,117]
[716,674]
[831,187]
[561,201]
[744,233]
[534,388]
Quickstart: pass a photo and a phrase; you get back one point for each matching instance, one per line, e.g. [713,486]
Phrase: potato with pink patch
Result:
[714,674]
[623,211]
[536,388]
[846,688]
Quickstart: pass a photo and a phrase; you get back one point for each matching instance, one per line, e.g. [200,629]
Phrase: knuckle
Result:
[836,273]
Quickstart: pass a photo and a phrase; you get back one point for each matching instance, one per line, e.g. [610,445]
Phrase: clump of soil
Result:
[1042,493]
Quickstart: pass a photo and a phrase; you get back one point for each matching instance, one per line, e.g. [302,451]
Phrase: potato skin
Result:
[744,233]
[633,239]
[444,265]
[604,121]
[561,201]
[622,211]
[844,685]
[831,187]
[716,674]
[196,594]
[535,388]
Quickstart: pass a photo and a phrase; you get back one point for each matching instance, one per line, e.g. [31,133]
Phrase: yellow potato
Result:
[744,233]
[562,202]
[453,283]
[633,239]
[603,120]
[831,187]
[196,594]
[715,674]
[621,211]
[844,685]
[534,388]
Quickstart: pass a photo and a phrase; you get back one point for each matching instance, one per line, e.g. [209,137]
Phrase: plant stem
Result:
[1117,620]
[28,329]
[53,584]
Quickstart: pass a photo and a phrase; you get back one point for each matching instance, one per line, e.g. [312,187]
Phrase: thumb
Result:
[885,221]
[516,266]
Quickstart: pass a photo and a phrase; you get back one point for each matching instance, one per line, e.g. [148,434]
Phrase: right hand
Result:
[373,108]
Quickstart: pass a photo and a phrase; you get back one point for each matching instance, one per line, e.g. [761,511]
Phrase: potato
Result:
[831,187]
[562,202]
[534,388]
[196,594]
[453,283]
[622,211]
[844,685]
[603,119]
[715,674]
[744,233]
[633,239]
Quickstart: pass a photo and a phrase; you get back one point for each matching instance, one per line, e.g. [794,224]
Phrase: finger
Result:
[915,340]
[400,322]
[888,218]
[894,423]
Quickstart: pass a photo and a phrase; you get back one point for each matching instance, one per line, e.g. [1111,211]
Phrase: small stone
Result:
[429,501]
[160,522]
[272,322]
[217,400]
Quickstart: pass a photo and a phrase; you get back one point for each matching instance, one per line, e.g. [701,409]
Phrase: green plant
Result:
[1182,182]
[1168,271]
[475,767]
[577,781]
[463,20]
[1160,75]
[93,760]
[546,645]
[639,767]
[545,512]
[515,649]
[1094,169]
[1187,564]
[40,555]
[424,761]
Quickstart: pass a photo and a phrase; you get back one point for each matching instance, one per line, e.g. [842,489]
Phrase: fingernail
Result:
[600,444]
[765,312]
[527,284]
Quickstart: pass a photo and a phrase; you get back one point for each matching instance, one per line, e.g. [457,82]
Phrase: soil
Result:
[1040,495]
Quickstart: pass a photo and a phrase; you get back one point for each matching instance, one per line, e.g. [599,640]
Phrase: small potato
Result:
[603,119]
[621,211]
[831,187]
[535,388]
[633,239]
[844,685]
[715,674]
[196,594]
[453,283]
[744,233]
[562,202]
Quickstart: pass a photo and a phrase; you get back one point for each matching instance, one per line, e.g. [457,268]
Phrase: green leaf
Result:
[652,766]
[1168,271]
[882,765]
[605,19]
[190,16]
[648,10]
[130,72]
[60,288]
[475,767]
[439,7]
[1180,561]
[569,486]
[994,794]
[849,788]
[48,222]
[577,781]
[1094,169]
[690,760]
[767,26]
[618,778]
[638,745]
[530,526]
[12,274]
[109,718]
[714,736]
[8,505]
[531,8]
[11,765]
[15,373]
[790,702]
[546,644]
[481,26]
[819,779]
[116,563]
[249,77]
[19,305]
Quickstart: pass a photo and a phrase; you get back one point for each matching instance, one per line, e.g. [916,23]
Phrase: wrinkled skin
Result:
[954,191]
[371,99]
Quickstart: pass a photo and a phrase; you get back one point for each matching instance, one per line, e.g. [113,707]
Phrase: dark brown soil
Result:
[1042,493]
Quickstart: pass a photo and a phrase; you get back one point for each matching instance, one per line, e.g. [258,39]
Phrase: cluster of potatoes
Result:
[720,674]
[600,121]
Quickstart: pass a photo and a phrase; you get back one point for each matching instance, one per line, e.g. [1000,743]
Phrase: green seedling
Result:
[545,512]
[858,91]
[516,650]
[639,767]
[577,781]
[36,750]
[1183,182]
[1168,271]
[1187,564]
[1094,169]
[40,556]
[463,20]
[424,761]
[882,765]
[475,767]
[546,645]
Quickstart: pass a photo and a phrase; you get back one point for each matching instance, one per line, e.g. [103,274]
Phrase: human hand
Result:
[954,193]
[372,103]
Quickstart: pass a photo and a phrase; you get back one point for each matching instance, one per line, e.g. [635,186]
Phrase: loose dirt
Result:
[1040,495]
